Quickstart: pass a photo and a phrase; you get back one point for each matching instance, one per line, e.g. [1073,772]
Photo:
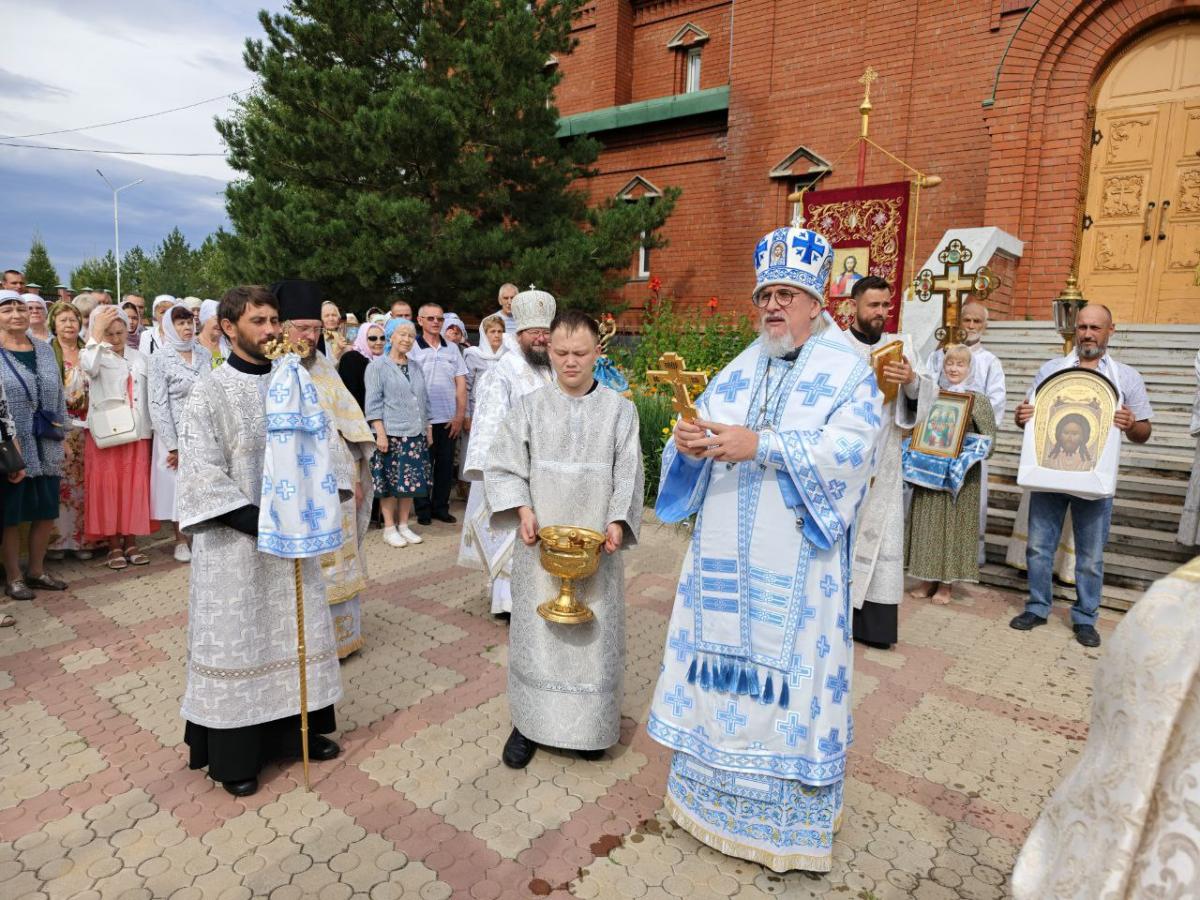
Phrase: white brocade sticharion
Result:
[1125,823]
[485,545]
[242,663]
[574,461]
[345,569]
[879,542]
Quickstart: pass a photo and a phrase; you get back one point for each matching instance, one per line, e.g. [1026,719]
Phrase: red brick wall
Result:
[794,81]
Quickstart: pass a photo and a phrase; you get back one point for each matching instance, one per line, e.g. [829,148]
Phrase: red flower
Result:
[655,285]
[713,302]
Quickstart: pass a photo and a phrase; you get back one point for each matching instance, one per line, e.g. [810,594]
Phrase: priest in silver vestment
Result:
[878,579]
[345,571]
[567,454]
[486,545]
[242,700]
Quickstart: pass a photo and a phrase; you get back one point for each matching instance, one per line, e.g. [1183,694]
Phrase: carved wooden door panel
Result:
[1118,247]
[1174,290]
[1140,252]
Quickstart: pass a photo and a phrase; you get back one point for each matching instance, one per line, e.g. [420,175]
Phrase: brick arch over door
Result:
[1038,128]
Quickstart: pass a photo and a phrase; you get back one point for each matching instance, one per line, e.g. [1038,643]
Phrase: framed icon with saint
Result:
[1071,445]
[943,430]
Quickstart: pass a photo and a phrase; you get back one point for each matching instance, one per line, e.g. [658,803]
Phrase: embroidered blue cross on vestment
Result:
[681,645]
[313,515]
[329,483]
[285,490]
[838,684]
[731,718]
[677,701]
[808,244]
[816,389]
[830,743]
[732,386]
[791,729]
[849,451]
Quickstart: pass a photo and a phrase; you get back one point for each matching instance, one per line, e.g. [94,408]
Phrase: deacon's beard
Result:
[870,329]
[536,357]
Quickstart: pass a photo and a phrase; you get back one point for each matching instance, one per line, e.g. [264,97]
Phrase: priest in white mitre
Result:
[878,580]
[242,700]
[754,694]
[351,450]
[567,454]
[1125,823]
[988,373]
[485,545]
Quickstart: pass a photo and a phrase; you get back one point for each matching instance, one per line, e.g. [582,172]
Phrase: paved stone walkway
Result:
[961,733]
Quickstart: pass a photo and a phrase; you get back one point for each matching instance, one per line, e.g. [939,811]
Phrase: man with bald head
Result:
[1090,518]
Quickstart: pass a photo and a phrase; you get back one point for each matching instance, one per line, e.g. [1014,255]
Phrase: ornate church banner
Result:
[868,228]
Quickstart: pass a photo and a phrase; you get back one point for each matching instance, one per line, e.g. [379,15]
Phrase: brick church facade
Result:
[739,102]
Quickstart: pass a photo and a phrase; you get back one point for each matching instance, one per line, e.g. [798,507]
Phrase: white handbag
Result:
[112,424]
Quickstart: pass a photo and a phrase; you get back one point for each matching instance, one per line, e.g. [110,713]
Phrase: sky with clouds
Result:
[99,62]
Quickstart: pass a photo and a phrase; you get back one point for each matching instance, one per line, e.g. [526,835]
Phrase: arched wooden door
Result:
[1140,253]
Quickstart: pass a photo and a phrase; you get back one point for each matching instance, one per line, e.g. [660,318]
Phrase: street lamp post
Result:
[116,227]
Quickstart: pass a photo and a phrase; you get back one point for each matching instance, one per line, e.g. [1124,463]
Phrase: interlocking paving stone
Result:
[961,733]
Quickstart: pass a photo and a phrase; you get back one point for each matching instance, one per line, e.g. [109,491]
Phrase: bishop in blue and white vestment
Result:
[754,692]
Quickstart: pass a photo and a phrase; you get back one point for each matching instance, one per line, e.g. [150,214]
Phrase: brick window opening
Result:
[691,71]
[643,260]
[638,188]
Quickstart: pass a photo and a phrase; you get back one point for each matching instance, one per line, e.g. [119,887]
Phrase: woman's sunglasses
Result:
[376,339]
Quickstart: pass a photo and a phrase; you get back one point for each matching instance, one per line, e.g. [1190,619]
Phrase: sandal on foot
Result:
[136,557]
[116,560]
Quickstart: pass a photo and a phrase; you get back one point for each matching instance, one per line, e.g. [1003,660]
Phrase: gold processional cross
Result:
[952,285]
[673,371]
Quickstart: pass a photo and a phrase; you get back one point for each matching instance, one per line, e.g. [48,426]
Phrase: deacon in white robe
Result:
[488,545]
[878,582]
[988,372]
[754,692]
[1125,823]
[353,445]
[567,454]
[242,701]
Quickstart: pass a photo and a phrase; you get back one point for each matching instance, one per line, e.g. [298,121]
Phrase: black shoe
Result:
[241,788]
[503,616]
[1026,621]
[445,517]
[424,520]
[590,755]
[518,750]
[18,590]
[320,749]
[1087,635]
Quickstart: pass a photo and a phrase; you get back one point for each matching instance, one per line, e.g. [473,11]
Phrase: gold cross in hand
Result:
[673,372]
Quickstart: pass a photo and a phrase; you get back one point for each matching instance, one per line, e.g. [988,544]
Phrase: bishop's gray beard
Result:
[776,347]
[536,357]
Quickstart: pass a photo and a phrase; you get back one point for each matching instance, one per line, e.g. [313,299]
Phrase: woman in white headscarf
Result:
[209,337]
[943,528]
[117,476]
[173,371]
[38,325]
[153,339]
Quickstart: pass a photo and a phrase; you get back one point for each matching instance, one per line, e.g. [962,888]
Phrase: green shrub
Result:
[657,419]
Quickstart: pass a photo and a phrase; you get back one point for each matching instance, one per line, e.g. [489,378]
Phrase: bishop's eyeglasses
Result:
[783,297]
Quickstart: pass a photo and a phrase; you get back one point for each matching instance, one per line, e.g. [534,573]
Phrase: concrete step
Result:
[1121,569]
[1130,540]
[999,575]
[1135,513]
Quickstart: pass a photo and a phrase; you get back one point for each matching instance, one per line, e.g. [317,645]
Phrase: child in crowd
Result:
[942,538]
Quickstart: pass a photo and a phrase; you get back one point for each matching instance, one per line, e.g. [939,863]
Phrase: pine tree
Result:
[38,268]
[97,273]
[211,274]
[413,142]
[171,266]
[136,272]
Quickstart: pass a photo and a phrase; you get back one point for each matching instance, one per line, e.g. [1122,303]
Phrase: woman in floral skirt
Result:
[65,325]
[397,410]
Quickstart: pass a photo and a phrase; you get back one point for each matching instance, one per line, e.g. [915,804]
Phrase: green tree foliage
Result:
[136,272]
[413,142]
[211,275]
[96,273]
[171,266]
[38,268]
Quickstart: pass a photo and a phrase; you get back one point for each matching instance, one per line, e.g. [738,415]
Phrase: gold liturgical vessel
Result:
[569,552]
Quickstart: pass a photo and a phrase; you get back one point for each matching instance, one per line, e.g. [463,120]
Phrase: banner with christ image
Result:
[868,228]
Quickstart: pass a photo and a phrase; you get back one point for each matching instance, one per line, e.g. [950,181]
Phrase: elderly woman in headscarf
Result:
[153,339]
[66,324]
[454,330]
[38,325]
[173,371]
[368,344]
[942,542]
[117,475]
[209,336]
[479,360]
[29,377]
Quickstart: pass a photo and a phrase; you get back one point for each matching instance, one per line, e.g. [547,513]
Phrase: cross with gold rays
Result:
[673,371]
[953,284]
